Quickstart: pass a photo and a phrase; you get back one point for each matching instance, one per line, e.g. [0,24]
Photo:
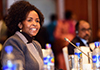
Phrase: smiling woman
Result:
[31,25]
[24,22]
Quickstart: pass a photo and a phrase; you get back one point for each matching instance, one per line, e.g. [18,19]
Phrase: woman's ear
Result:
[20,25]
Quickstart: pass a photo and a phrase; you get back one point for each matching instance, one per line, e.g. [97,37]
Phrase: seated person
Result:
[83,33]
[92,45]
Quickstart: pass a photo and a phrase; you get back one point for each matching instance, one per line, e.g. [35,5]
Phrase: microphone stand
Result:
[77,48]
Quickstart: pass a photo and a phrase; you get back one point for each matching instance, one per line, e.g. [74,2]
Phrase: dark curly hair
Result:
[18,13]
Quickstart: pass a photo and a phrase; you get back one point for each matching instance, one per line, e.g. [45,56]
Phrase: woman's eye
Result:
[37,21]
[29,20]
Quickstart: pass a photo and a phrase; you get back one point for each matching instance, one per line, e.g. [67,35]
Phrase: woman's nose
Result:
[34,23]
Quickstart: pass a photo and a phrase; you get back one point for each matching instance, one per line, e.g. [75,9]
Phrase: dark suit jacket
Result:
[74,41]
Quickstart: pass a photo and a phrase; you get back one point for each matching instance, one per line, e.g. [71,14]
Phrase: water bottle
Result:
[8,60]
[49,58]
[79,54]
[96,56]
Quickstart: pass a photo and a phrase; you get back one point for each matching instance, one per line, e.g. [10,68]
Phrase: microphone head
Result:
[67,39]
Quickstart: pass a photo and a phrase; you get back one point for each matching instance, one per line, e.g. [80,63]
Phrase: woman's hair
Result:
[18,12]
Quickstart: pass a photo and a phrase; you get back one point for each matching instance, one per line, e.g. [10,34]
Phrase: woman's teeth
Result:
[33,29]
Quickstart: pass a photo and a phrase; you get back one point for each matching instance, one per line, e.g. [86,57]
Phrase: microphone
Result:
[77,47]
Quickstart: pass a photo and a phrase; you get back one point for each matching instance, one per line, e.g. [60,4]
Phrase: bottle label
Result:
[6,67]
[48,60]
[95,58]
[45,59]
[79,54]
[99,58]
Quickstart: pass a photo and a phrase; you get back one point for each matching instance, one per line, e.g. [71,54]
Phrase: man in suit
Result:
[83,33]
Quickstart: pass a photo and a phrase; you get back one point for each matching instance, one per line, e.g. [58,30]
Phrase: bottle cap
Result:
[48,46]
[96,44]
[77,44]
[9,49]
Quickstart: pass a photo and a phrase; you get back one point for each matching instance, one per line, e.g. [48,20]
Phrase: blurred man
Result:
[83,33]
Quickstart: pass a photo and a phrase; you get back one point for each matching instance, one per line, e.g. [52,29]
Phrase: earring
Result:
[20,30]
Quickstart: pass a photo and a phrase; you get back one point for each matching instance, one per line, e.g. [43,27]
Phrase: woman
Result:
[25,20]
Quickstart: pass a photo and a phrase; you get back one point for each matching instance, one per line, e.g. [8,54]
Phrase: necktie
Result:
[87,44]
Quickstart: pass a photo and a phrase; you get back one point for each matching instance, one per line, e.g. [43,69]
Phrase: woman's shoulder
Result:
[13,39]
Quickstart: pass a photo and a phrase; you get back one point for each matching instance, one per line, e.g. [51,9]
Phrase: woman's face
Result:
[31,25]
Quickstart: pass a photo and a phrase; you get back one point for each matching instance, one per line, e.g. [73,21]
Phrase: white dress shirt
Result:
[85,42]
